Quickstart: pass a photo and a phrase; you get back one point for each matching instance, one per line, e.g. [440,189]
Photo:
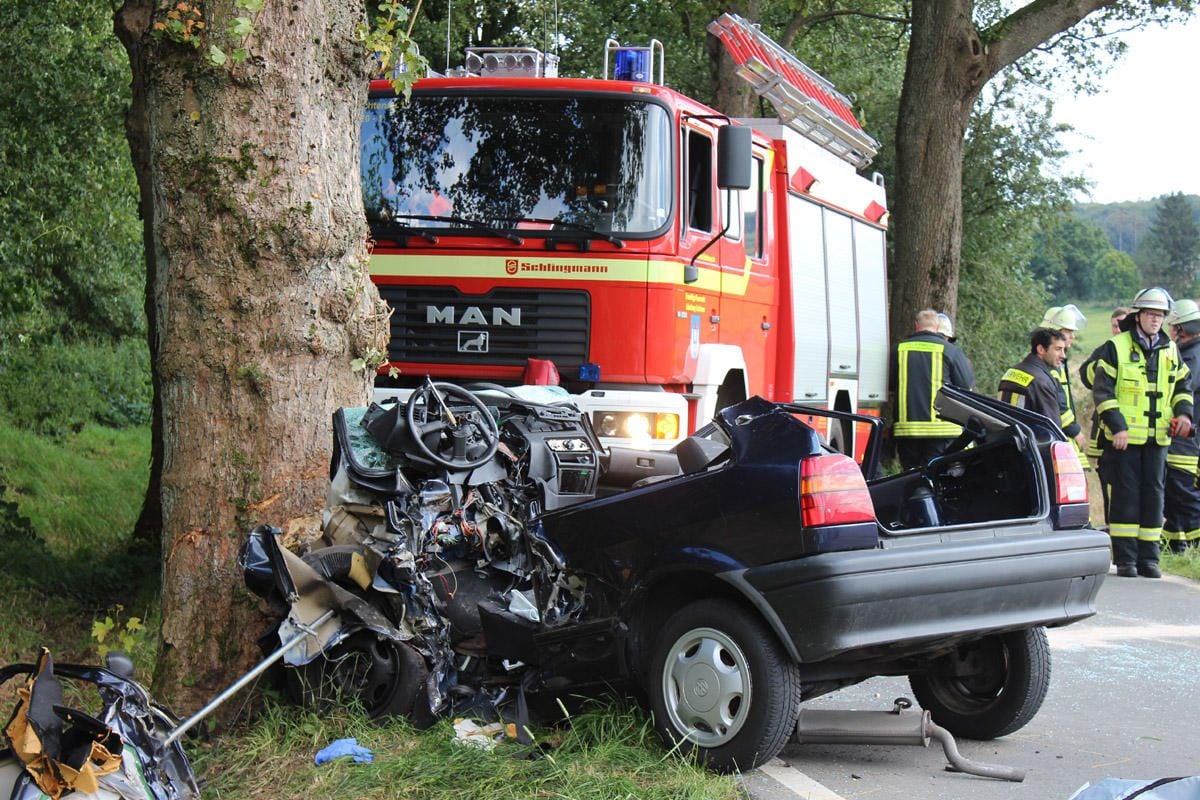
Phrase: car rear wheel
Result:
[988,688]
[722,686]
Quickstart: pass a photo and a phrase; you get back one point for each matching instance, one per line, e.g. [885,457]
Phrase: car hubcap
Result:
[706,686]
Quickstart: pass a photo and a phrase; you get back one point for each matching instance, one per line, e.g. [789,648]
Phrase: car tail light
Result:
[833,492]
[1070,484]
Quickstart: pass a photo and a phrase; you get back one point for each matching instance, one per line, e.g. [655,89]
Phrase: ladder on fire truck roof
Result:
[806,102]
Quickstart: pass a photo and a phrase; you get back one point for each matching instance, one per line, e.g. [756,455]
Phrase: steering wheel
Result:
[428,413]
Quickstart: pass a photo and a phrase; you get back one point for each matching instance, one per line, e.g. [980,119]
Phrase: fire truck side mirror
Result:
[733,157]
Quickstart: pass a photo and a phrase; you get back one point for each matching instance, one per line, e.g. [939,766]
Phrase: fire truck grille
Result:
[439,324]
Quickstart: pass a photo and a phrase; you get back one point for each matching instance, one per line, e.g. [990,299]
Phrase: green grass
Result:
[1098,329]
[1185,564]
[82,493]
[69,506]
[608,752]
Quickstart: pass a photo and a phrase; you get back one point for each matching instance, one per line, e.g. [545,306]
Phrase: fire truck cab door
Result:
[700,222]
[748,283]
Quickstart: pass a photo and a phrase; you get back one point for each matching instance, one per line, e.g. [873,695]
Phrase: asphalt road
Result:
[1124,702]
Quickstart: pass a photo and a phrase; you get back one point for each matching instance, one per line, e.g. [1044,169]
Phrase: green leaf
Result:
[241,27]
[358,364]
[101,629]
[216,55]
[240,54]
[253,6]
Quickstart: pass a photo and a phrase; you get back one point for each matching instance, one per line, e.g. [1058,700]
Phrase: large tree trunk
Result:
[948,66]
[941,81]
[260,294]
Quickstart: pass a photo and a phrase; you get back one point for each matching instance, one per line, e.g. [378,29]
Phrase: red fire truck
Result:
[660,259]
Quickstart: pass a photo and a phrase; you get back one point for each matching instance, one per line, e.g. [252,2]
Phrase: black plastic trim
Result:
[847,605]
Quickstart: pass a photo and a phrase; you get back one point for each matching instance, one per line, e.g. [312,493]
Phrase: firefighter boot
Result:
[1147,559]
[1125,555]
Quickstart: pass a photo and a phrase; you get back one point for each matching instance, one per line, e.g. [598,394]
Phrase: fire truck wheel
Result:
[989,688]
[722,687]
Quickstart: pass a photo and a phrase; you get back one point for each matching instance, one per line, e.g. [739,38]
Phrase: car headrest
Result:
[696,453]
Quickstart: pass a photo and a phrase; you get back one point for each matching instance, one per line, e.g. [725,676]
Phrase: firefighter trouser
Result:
[1104,469]
[1182,509]
[1135,515]
[915,451]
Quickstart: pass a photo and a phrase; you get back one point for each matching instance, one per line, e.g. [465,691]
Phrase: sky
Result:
[1139,138]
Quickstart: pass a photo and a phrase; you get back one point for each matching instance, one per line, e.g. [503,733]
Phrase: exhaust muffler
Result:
[821,726]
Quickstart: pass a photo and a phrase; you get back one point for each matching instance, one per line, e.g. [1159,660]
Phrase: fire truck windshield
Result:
[533,163]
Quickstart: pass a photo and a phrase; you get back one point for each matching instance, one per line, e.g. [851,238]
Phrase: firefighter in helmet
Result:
[1068,320]
[1143,394]
[1181,505]
[921,364]
[946,327]
[1097,441]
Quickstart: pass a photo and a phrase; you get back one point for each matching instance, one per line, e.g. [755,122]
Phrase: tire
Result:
[382,677]
[988,688]
[753,711]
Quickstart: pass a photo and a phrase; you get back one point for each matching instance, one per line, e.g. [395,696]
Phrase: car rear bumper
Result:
[859,604]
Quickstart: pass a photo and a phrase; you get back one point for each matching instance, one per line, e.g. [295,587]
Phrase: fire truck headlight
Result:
[637,425]
[666,426]
[607,424]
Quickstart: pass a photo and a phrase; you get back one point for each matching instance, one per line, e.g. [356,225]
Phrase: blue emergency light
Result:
[632,64]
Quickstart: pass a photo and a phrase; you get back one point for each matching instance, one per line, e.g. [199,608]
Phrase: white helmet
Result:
[1153,299]
[1184,311]
[945,326]
[1064,318]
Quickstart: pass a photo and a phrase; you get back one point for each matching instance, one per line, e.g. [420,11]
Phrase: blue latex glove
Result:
[344,747]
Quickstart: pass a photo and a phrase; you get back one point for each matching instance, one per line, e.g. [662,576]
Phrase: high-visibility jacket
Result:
[1184,453]
[1097,441]
[1139,389]
[1066,403]
[1031,385]
[921,365]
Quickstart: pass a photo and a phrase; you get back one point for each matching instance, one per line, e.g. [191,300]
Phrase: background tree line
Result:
[1107,252]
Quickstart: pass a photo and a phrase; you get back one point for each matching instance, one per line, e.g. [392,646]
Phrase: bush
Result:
[57,388]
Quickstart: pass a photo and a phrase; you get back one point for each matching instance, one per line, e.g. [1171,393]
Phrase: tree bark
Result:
[731,95]
[259,294]
[147,531]
[949,63]
[941,82]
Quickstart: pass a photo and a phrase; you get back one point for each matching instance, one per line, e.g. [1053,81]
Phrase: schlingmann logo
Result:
[547,266]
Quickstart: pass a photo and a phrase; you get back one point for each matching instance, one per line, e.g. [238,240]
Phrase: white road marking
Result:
[797,781]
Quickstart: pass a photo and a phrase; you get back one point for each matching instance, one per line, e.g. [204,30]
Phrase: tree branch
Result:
[1029,26]
[800,21]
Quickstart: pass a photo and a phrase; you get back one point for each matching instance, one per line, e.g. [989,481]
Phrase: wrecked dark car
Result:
[483,547]
[118,748]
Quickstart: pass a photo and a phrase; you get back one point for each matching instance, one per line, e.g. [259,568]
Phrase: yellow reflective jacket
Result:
[1139,390]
